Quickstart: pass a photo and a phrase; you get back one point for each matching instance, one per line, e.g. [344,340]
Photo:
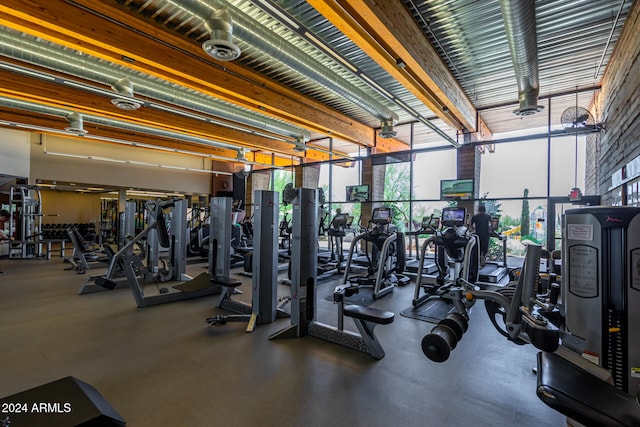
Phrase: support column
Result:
[468,165]
[374,178]
[307,176]
[222,182]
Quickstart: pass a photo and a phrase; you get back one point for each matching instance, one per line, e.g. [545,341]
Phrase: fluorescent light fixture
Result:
[376,85]
[280,15]
[14,68]
[134,162]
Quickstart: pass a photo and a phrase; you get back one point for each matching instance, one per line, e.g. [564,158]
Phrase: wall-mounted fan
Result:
[578,119]
[289,193]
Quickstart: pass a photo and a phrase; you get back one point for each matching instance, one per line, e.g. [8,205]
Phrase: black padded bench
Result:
[366,319]
[583,397]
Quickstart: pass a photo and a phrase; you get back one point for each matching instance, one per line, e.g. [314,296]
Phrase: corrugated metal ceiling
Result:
[468,34]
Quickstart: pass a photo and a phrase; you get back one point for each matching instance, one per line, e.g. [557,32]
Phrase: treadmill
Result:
[428,226]
[494,271]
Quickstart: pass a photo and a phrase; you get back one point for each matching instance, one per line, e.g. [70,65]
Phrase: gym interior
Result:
[312,213]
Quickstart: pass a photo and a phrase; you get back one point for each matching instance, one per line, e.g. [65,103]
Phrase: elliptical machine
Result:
[387,258]
[334,262]
[454,244]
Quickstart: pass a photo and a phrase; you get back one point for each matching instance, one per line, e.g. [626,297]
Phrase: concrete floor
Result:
[162,365]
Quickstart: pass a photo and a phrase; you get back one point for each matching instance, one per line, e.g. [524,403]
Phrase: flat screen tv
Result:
[357,193]
[456,189]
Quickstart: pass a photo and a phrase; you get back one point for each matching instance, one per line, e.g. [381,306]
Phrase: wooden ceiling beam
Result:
[387,32]
[53,94]
[36,119]
[390,145]
[103,30]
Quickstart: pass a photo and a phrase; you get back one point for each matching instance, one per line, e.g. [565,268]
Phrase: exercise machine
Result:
[517,311]
[387,259]
[264,306]
[126,232]
[493,271]
[25,222]
[601,299]
[304,294]
[593,376]
[428,227]
[454,245]
[166,245]
[83,257]
[333,263]
[198,226]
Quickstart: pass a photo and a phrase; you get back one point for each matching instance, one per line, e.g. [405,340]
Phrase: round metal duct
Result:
[124,87]
[386,130]
[220,46]
[75,124]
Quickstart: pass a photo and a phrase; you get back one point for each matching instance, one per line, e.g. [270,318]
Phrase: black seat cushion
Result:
[369,314]
[579,395]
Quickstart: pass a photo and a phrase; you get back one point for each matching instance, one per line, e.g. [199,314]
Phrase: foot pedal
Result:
[216,320]
[252,322]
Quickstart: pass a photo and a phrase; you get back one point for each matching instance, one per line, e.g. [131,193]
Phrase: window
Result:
[343,174]
[519,219]
[428,169]
[567,168]
[515,167]
[397,192]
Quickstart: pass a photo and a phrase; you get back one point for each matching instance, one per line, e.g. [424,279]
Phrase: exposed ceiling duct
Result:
[124,87]
[76,123]
[254,34]
[76,126]
[220,45]
[55,57]
[519,17]
[76,120]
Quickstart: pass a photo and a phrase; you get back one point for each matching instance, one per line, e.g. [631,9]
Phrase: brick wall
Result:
[618,106]
[468,164]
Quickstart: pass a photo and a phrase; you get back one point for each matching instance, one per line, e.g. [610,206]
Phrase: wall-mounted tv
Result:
[456,189]
[357,193]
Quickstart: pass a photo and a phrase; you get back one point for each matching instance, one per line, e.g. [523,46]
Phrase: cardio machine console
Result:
[430,222]
[453,217]
[381,216]
[340,220]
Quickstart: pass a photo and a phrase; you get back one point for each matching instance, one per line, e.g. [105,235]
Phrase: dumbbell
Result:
[444,337]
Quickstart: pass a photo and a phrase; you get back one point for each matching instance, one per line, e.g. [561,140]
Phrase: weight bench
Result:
[583,397]
[366,319]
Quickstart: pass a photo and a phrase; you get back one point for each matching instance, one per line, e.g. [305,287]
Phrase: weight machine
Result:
[304,260]
[264,306]
[166,243]
[593,375]
[25,221]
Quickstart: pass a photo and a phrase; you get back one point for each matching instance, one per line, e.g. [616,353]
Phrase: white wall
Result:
[14,153]
[100,173]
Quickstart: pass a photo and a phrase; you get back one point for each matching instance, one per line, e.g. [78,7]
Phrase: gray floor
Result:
[163,366]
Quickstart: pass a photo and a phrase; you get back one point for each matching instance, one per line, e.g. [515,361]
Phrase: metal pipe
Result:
[606,46]
[519,17]
[252,33]
[59,58]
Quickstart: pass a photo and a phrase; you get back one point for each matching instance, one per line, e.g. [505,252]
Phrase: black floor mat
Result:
[434,310]
[198,283]
[364,297]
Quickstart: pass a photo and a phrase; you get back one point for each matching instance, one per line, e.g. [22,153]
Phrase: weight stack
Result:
[601,288]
